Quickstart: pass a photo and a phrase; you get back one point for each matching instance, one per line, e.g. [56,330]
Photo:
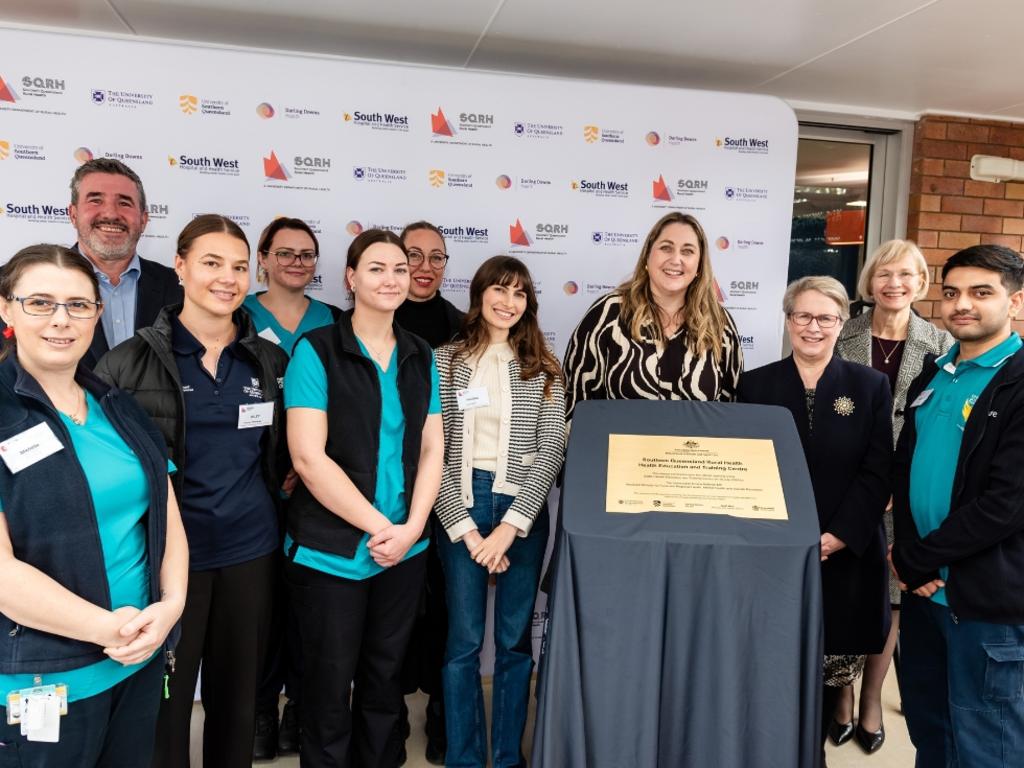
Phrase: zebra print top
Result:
[603,362]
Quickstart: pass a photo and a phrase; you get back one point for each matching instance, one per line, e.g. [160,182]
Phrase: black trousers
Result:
[354,636]
[225,626]
[421,669]
[113,729]
[283,665]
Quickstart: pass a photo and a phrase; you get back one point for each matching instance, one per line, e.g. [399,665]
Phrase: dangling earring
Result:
[261,274]
[8,332]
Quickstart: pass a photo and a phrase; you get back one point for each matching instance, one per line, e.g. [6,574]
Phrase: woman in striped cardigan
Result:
[503,407]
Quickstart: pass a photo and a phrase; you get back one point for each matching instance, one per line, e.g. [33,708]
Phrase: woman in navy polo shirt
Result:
[369,469]
[287,255]
[213,387]
[93,556]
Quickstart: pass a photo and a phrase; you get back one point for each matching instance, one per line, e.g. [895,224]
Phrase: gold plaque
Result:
[712,475]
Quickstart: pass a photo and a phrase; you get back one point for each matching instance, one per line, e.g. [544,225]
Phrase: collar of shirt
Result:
[993,358]
[134,267]
[184,343]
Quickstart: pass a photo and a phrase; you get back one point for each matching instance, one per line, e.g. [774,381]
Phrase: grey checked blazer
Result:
[923,338]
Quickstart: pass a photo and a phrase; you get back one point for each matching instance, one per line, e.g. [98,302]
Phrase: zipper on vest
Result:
[14,631]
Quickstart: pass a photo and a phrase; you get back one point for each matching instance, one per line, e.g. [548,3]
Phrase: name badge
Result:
[28,447]
[255,415]
[268,334]
[922,398]
[472,397]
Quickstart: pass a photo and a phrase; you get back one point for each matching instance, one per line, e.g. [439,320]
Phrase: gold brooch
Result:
[844,406]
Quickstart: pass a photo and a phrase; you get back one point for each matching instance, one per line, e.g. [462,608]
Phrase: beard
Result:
[103,250]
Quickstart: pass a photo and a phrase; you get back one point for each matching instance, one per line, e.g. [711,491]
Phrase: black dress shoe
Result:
[870,741]
[264,746]
[840,733]
[289,734]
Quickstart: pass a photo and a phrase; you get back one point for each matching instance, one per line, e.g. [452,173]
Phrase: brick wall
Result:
[948,211]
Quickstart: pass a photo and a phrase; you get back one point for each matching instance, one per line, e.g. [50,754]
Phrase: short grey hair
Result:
[886,253]
[826,286]
[106,165]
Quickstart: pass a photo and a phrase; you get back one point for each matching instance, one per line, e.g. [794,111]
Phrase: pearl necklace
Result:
[888,356]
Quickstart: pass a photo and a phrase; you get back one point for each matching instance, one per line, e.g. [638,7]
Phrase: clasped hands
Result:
[130,636]
[490,552]
[389,545]
[925,590]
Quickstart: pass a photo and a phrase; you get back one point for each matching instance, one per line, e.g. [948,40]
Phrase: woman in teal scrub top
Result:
[93,556]
[288,252]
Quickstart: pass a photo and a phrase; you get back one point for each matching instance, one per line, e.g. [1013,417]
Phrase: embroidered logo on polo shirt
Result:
[187,388]
[254,390]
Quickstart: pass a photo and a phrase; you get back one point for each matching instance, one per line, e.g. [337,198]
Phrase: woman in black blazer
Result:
[843,412]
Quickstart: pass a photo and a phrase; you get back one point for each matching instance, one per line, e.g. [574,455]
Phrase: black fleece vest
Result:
[353,429]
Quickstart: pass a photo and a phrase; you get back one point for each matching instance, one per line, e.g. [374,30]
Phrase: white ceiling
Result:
[870,56]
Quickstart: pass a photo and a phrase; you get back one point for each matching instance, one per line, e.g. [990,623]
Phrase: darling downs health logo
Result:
[601,187]
[205,164]
[504,181]
[748,145]
[654,139]
[378,121]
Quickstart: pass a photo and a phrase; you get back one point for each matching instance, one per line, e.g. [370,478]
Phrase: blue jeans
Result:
[963,687]
[514,597]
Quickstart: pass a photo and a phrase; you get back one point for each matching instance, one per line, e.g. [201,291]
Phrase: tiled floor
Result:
[896,753]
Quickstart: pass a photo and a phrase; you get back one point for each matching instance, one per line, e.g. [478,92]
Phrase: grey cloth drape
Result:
[681,639]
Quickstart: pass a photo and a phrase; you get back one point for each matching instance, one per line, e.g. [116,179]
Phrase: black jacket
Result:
[157,287]
[982,540]
[144,365]
[353,429]
[849,454]
[51,519]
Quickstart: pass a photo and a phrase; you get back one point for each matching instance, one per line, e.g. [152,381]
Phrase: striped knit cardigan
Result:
[531,446]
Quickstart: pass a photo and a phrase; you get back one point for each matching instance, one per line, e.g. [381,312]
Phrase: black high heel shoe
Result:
[870,741]
[840,733]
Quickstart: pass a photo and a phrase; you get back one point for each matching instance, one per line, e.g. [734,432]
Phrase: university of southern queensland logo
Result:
[17,151]
[440,178]
[436,177]
[274,168]
[7,92]
[5,149]
[439,124]
[595,134]
[191,104]
[517,234]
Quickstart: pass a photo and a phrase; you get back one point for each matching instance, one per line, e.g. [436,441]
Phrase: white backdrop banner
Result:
[567,175]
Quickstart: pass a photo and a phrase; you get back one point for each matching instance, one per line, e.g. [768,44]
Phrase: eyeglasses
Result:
[79,309]
[437,258]
[286,257]
[804,318]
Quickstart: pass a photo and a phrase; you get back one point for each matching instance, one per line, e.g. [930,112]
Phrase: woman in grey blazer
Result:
[891,338]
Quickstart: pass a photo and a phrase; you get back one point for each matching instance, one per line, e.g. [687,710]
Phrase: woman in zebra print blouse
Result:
[662,334]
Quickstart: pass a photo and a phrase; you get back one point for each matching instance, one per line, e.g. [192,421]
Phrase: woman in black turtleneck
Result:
[436,320]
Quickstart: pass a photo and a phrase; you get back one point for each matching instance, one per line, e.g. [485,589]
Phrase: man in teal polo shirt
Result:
[959,512]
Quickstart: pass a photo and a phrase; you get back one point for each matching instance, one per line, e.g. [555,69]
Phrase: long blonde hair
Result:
[703,317]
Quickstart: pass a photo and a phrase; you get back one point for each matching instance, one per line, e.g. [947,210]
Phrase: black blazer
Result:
[849,454]
[157,287]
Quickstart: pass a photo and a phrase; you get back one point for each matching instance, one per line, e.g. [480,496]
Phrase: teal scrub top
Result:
[306,387]
[317,315]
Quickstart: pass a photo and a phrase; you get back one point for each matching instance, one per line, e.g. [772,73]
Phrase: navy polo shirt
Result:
[227,509]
